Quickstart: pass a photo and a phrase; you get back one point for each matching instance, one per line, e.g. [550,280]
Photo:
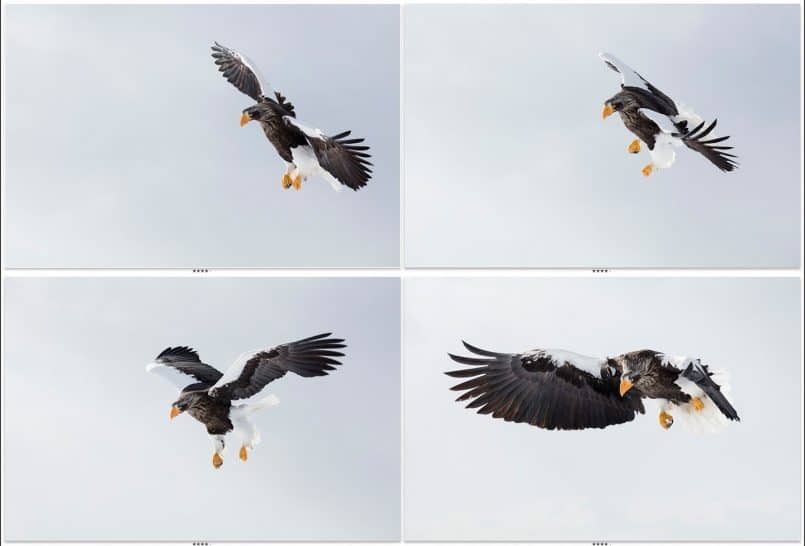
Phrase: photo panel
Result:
[120,455]
[508,162]
[704,477]
[124,148]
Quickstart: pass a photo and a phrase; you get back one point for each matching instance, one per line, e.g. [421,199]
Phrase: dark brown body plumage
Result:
[213,413]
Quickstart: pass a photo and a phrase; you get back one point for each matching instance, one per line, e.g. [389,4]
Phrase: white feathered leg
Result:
[287,179]
[218,443]
[244,426]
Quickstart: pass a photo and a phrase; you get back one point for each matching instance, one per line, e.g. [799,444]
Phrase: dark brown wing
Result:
[307,357]
[695,140]
[537,389]
[186,361]
[237,71]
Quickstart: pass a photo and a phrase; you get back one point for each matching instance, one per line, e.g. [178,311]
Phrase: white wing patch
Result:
[629,77]
[308,131]
[589,364]
[235,369]
[174,376]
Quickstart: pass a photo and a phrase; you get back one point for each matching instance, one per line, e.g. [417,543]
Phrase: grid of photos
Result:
[388,273]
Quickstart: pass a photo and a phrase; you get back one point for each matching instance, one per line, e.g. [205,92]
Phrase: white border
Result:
[402,272]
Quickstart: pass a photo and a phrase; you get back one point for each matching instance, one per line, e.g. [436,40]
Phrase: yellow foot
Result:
[697,404]
[217,461]
[634,147]
[666,420]
[647,170]
[243,455]
[297,183]
[286,181]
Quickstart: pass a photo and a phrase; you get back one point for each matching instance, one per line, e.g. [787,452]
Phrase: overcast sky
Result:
[124,149]
[90,453]
[492,480]
[508,162]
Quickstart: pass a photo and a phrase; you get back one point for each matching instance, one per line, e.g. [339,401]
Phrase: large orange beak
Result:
[625,386]
[608,111]
[244,119]
[175,411]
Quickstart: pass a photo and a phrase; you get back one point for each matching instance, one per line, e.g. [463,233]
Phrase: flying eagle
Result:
[307,152]
[663,126]
[556,389]
[223,402]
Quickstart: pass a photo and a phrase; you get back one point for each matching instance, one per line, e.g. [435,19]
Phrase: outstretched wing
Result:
[711,149]
[647,94]
[307,357]
[343,159]
[237,71]
[546,388]
[182,367]
[700,375]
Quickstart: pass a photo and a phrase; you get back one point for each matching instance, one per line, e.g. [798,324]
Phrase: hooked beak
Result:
[175,411]
[608,111]
[625,386]
[244,119]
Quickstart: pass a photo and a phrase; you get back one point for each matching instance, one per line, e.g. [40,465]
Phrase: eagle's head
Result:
[249,114]
[635,371]
[180,406]
[617,103]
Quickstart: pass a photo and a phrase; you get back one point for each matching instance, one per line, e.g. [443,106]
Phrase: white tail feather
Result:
[267,402]
[707,420]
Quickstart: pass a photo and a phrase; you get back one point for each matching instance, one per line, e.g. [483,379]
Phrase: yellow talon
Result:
[634,147]
[286,181]
[297,183]
[697,404]
[647,170]
[217,461]
[243,455]
[666,420]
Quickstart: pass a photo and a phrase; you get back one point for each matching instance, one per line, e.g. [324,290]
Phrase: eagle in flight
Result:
[307,152]
[556,389]
[660,123]
[223,402]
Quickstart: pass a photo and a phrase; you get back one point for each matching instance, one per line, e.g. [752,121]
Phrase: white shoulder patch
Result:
[629,77]
[235,369]
[171,374]
[589,364]
[308,131]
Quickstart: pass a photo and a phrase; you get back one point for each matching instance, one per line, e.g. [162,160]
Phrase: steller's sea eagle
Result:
[646,111]
[223,401]
[307,152]
[556,389]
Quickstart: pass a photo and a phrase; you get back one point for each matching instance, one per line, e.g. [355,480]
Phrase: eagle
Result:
[660,123]
[223,402]
[562,390]
[307,152]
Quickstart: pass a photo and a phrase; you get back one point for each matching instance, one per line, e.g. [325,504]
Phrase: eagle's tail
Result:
[715,412]
[266,402]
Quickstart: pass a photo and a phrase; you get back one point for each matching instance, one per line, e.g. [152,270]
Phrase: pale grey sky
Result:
[90,453]
[124,149]
[471,477]
[508,162]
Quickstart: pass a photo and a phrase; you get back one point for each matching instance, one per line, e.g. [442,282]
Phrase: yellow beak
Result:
[608,111]
[625,386]
[244,119]
[175,411]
